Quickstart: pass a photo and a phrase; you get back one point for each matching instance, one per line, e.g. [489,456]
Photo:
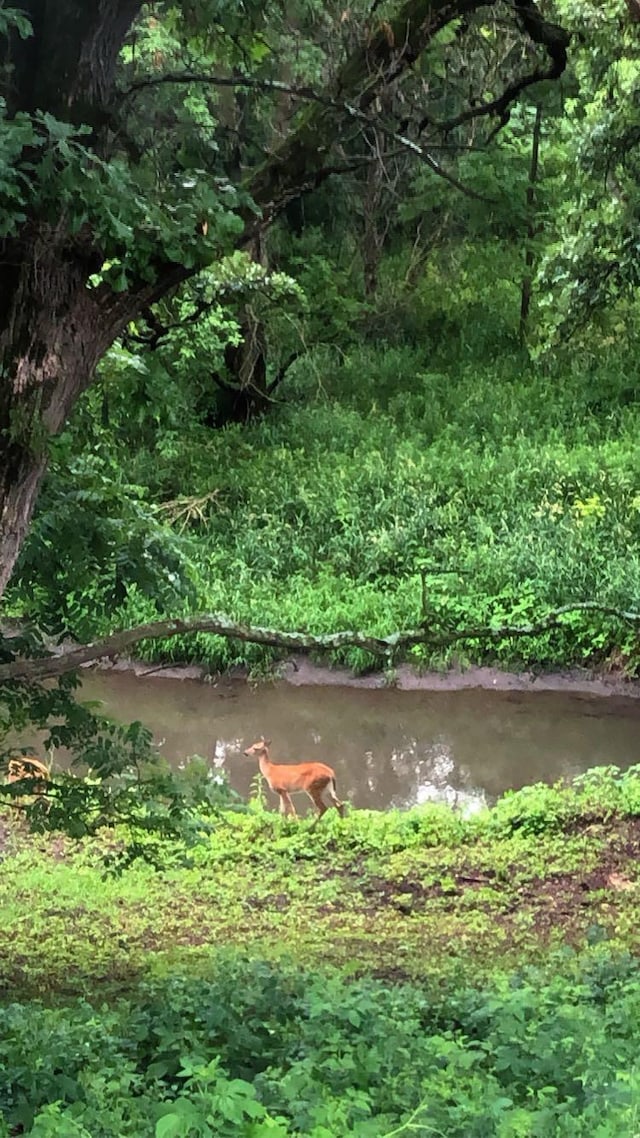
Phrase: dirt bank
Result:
[299,671]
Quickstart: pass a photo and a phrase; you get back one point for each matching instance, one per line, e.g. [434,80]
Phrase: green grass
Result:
[382,974]
[424,893]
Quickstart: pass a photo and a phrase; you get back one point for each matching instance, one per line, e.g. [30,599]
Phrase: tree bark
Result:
[48,350]
[67,66]
[53,332]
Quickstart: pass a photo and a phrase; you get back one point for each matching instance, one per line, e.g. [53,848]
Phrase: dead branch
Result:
[302,642]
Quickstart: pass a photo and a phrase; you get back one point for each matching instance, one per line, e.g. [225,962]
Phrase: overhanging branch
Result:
[247,82]
[552,37]
[301,162]
[302,642]
[350,110]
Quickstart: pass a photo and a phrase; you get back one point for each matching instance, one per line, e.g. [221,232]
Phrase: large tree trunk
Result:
[67,66]
[52,335]
[19,484]
[53,330]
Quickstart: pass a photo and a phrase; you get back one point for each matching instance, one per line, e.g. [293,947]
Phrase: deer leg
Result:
[335,801]
[315,794]
[286,805]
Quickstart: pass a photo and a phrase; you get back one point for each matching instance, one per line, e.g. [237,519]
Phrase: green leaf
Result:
[14,18]
[170,1126]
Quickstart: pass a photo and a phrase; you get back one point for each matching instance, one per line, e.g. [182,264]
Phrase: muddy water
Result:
[388,747]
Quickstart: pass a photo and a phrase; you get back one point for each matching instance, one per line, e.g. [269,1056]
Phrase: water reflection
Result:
[223,749]
[434,776]
[388,747]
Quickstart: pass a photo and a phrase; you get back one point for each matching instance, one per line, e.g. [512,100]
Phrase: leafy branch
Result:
[351,110]
[387,55]
[552,37]
[302,642]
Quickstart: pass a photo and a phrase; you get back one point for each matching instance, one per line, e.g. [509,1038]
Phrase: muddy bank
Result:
[299,671]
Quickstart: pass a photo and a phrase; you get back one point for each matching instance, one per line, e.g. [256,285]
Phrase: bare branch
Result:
[384,646]
[420,152]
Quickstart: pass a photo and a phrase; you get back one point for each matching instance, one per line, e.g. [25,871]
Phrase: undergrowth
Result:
[388,491]
[420,892]
[415,972]
[268,1052]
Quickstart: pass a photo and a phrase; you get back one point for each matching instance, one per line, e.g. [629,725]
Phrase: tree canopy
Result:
[143,143]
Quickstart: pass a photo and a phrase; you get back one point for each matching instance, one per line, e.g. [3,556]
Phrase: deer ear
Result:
[267,742]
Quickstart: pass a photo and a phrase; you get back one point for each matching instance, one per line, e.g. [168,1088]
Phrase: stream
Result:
[389,747]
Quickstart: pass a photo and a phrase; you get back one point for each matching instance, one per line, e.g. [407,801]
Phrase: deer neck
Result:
[265,764]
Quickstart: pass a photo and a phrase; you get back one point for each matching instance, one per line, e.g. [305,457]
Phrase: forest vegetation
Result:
[405,396]
[315,318]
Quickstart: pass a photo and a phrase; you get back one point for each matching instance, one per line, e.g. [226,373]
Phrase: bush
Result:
[260,1050]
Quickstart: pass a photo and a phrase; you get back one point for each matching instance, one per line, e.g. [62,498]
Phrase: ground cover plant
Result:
[402,893]
[261,1050]
[406,972]
[469,497]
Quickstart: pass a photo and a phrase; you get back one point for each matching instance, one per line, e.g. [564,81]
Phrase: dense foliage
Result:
[321,316]
[377,490]
[145,145]
[262,1051]
[427,449]
[383,974]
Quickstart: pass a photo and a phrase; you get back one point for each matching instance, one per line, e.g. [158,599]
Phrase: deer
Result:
[287,778]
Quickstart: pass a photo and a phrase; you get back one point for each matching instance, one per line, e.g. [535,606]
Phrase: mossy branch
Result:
[429,634]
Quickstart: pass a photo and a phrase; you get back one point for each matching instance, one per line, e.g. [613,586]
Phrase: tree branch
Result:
[303,642]
[249,82]
[350,110]
[550,36]
[301,163]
